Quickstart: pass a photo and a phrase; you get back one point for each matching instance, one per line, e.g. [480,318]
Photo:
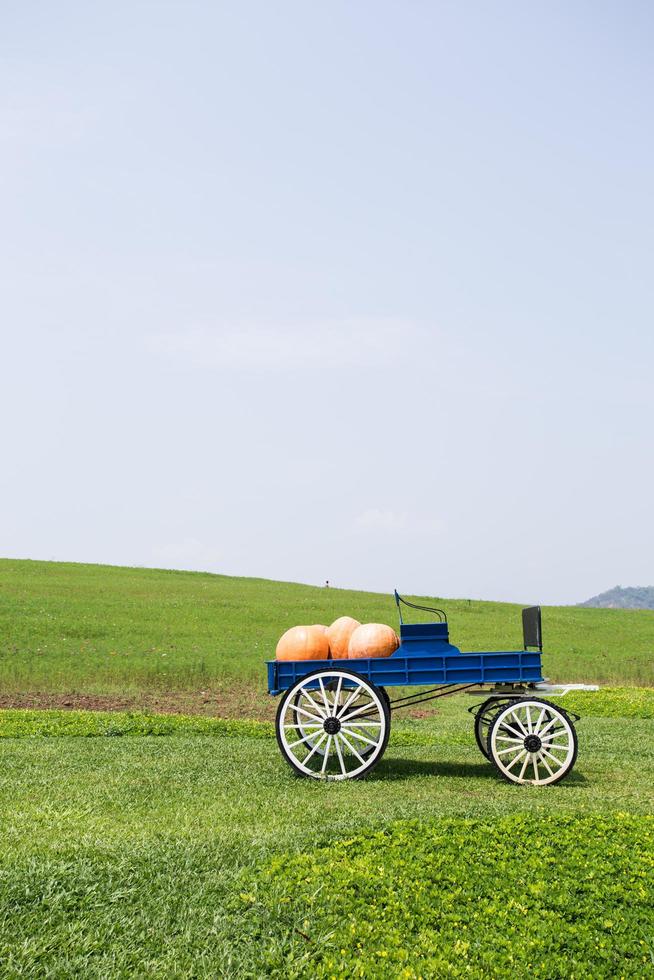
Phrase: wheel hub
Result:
[332,726]
[532,743]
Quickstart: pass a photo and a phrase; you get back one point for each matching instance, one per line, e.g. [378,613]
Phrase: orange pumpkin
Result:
[303,643]
[373,640]
[339,634]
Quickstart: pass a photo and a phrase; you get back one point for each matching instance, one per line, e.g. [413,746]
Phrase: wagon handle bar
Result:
[442,616]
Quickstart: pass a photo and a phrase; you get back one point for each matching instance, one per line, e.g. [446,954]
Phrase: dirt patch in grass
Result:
[232,703]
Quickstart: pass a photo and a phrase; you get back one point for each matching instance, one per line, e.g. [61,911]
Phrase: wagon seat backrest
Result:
[532,628]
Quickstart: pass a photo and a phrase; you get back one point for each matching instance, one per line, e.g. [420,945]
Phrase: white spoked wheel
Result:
[532,741]
[333,724]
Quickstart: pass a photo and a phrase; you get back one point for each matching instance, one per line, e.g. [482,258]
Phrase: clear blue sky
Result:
[359,291]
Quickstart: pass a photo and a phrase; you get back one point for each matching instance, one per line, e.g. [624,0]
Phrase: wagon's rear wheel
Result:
[333,724]
[312,735]
[532,741]
[484,719]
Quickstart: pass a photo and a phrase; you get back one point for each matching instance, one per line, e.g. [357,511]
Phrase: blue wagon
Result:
[334,717]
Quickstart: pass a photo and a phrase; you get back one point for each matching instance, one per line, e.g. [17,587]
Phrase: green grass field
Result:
[141,844]
[98,629]
[202,855]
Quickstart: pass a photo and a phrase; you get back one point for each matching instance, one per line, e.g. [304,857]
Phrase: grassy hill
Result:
[101,629]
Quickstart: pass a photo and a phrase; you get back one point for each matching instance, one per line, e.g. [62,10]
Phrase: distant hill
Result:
[633,597]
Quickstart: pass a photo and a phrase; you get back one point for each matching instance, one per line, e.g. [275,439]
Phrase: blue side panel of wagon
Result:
[405,668]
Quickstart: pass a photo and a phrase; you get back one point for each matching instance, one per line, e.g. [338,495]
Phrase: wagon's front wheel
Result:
[333,724]
[532,741]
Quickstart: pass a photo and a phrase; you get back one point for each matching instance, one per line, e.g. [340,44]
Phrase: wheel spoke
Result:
[326,701]
[370,706]
[549,755]
[337,743]
[511,748]
[514,731]
[551,722]
[558,741]
[353,695]
[524,766]
[364,724]
[315,748]
[545,763]
[305,738]
[553,749]
[354,734]
[518,722]
[517,758]
[352,748]
[302,711]
[507,738]
[551,736]
[529,726]
[317,707]
[326,758]
[534,763]
[539,722]
[337,696]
